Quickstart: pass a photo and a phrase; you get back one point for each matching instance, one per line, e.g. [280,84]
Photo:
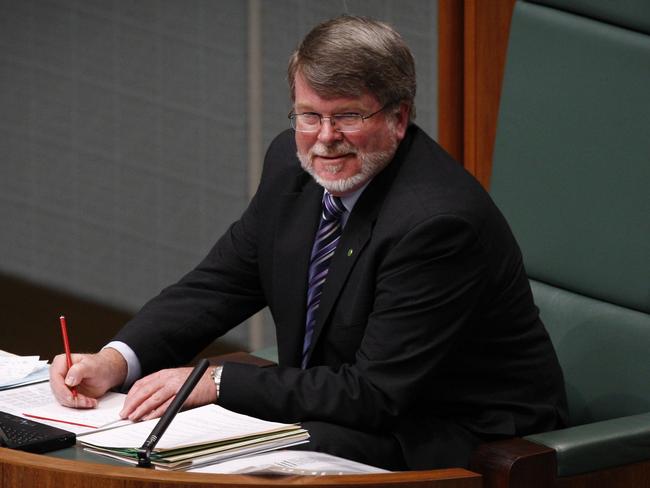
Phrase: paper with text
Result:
[197,426]
[289,462]
[18,400]
[78,420]
[21,370]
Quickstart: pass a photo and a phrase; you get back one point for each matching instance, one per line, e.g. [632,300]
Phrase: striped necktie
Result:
[327,237]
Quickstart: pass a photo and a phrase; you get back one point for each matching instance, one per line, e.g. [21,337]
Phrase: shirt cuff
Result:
[134,370]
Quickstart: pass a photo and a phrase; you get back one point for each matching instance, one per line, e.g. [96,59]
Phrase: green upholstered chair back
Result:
[572,175]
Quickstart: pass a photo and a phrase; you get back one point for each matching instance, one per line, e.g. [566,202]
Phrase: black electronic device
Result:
[27,435]
[144,452]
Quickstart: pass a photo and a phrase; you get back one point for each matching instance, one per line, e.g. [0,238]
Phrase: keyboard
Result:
[26,435]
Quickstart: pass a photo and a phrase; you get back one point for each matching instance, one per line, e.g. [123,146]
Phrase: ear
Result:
[402,119]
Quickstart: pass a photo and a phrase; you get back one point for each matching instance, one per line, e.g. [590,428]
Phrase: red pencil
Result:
[66,346]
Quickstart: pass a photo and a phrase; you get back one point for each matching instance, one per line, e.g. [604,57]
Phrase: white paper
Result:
[17,400]
[16,367]
[201,425]
[79,420]
[21,370]
[235,450]
[287,462]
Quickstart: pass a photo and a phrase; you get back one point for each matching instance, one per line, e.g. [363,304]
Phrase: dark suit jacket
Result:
[426,316]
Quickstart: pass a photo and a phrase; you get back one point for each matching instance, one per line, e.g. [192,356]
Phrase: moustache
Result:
[339,149]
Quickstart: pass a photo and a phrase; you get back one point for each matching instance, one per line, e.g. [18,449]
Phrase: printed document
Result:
[287,462]
[81,420]
[201,435]
[37,402]
[21,370]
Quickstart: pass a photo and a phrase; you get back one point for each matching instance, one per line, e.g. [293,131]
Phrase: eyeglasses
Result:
[347,122]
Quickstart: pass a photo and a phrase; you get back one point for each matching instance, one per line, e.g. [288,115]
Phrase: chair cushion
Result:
[603,350]
[600,445]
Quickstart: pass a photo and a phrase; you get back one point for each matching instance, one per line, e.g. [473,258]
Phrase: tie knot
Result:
[333,207]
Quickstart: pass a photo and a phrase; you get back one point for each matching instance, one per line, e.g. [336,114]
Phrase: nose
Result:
[328,132]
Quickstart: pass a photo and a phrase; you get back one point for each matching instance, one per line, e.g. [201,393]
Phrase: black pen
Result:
[144,453]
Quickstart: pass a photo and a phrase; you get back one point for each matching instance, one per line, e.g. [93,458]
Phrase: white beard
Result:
[371,164]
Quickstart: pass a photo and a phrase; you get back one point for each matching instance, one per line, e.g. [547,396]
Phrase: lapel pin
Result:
[350,252]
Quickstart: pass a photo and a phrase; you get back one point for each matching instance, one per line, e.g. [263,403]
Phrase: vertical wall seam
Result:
[255,112]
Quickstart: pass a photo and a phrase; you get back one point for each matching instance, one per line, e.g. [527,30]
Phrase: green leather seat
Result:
[572,175]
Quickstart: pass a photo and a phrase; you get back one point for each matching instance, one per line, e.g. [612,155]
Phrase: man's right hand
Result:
[91,374]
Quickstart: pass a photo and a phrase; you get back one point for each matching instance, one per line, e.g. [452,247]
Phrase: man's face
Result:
[342,162]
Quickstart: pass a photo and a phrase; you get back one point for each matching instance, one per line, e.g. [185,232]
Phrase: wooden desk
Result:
[24,470]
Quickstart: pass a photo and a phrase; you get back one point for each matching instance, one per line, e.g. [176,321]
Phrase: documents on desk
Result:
[18,371]
[196,437]
[205,439]
[37,403]
[290,463]
[18,400]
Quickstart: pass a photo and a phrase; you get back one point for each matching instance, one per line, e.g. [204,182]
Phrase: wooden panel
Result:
[25,470]
[487,25]
[450,77]
[472,45]
[637,475]
[515,463]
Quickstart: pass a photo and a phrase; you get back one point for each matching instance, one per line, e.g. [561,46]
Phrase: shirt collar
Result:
[350,199]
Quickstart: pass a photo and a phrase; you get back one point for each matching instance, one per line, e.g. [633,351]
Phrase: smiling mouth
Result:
[333,157]
[333,164]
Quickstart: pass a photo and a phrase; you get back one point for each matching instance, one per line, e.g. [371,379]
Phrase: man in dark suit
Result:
[406,328]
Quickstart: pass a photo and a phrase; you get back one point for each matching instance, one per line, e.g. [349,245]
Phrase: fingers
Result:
[61,379]
[159,411]
[144,397]
[58,370]
[150,396]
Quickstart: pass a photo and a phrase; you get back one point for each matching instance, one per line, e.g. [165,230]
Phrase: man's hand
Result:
[150,396]
[92,375]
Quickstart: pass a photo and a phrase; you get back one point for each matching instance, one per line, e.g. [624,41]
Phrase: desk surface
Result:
[69,468]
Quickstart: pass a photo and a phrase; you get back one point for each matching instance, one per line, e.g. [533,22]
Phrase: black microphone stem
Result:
[144,453]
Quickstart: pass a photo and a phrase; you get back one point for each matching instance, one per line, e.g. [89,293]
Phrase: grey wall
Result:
[131,131]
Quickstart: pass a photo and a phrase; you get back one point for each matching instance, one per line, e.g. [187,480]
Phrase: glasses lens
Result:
[311,122]
[348,122]
[307,122]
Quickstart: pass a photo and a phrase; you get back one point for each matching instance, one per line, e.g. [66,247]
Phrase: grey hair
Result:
[347,55]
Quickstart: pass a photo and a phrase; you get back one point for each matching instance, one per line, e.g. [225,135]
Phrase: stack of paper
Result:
[196,437]
[21,370]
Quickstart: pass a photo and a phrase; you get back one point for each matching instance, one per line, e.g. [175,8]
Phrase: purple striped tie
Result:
[327,237]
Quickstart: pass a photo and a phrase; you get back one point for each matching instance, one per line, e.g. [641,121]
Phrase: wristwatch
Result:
[215,374]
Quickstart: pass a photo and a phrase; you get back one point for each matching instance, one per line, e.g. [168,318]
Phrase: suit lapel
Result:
[295,233]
